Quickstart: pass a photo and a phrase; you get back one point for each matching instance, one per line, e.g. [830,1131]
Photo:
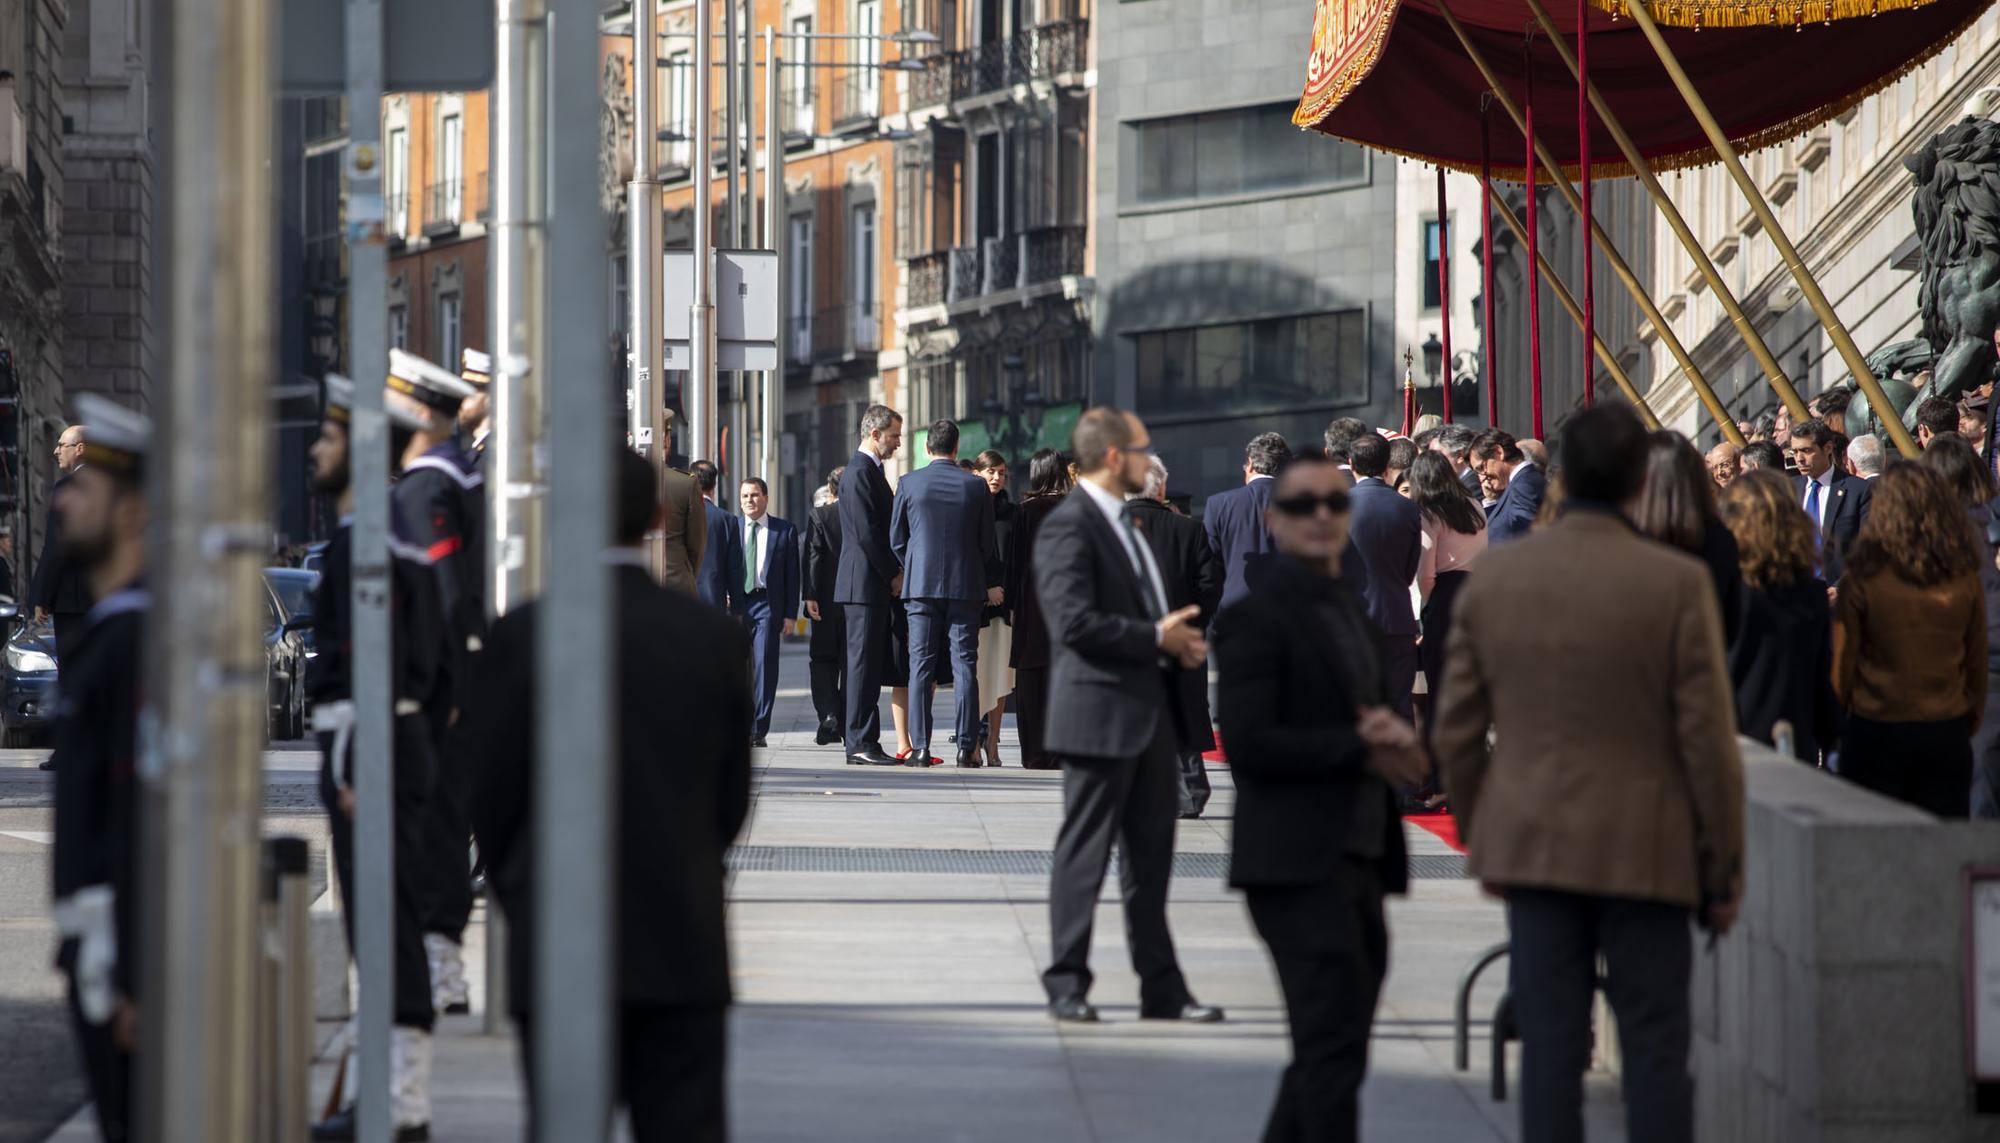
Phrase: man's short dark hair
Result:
[1402,454]
[638,497]
[1938,415]
[1308,457]
[759,482]
[1819,434]
[833,476]
[1491,441]
[705,475]
[1368,455]
[877,419]
[1266,453]
[1097,432]
[1764,454]
[1341,432]
[1603,453]
[1835,400]
[1424,439]
[943,438]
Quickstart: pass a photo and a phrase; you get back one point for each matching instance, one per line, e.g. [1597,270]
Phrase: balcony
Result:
[796,118]
[928,274]
[1010,262]
[1040,53]
[839,333]
[857,98]
[444,206]
[1002,267]
[1051,253]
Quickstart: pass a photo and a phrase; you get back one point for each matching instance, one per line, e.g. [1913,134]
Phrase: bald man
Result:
[1725,463]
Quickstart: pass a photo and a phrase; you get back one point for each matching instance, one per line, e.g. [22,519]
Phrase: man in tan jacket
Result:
[1608,809]
[680,503]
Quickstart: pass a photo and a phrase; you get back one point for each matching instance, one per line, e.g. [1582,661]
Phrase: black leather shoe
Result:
[968,758]
[1073,1010]
[872,756]
[827,735]
[48,763]
[759,742]
[1190,1013]
[340,1128]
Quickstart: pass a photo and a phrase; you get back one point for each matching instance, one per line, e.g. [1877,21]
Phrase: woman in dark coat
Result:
[1781,663]
[1677,507]
[996,630]
[1048,483]
[1951,457]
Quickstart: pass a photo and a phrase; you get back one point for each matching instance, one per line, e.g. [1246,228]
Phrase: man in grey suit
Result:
[942,532]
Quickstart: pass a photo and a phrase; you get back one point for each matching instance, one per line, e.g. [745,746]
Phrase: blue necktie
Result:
[1812,510]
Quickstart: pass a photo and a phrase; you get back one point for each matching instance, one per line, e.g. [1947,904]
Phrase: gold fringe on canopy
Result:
[1699,14]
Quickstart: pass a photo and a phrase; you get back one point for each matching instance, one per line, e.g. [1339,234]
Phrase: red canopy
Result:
[1391,75]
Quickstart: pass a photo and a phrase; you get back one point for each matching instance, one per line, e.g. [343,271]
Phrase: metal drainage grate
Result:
[1021,862]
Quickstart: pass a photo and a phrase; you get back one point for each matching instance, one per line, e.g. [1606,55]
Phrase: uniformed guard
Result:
[440,495]
[416,649]
[474,423]
[103,509]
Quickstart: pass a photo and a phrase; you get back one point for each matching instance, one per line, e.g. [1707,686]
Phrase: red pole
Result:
[1583,151]
[1444,284]
[1487,332]
[1534,262]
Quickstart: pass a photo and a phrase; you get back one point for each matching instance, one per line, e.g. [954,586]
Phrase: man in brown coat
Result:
[1609,808]
[680,502]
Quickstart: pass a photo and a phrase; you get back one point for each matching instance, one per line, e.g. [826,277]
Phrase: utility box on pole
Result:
[746,309]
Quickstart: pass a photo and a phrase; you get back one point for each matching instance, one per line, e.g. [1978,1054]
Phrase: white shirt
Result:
[1519,469]
[761,529]
[1825,482]
[1140,555]
[870,456]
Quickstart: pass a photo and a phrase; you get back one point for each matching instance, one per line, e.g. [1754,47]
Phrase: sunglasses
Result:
[1335,502]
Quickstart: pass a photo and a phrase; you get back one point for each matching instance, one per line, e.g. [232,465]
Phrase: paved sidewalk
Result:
[884,1006]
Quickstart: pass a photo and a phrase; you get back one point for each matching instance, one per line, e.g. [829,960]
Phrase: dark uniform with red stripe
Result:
[440,499]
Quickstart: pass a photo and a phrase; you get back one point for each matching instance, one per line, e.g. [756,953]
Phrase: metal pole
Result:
[732,225]
[700,396]
[576,749]
[646,259]
[373,907]
[773,396]
[1569,303]
[748,82]
[514,478]
[1643,170]
[202,737]
[292,994]
[1815,297]
[1617,261]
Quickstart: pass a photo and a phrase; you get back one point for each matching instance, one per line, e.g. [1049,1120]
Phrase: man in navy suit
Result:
[720,577]
[1384,538]
[768,597]
[868,581]
[1498,459]
[1234,520]
[942,533]
[1837,502]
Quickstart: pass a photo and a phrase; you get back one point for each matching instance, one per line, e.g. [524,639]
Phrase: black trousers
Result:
[828,656]
[1133,800]
[1555,940]
[413,781]
[106,1066]
[867,659]
[69,627]
[1926,764]
[671,1073]
[447,864]
[1402,671]
[1330,946]
[1031,716]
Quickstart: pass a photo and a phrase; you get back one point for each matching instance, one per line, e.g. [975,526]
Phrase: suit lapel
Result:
[1094,520]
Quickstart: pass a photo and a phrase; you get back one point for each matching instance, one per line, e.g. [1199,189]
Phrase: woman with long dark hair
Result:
[1677,507]
[1048,483]
[1951,457]
[1454,535]
[996,631]
[1781,664]
[1909,644]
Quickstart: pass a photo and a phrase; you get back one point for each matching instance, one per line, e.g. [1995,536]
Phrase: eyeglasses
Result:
[1335,502]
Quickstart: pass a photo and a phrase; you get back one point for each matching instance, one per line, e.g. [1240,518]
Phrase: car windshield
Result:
[296,591]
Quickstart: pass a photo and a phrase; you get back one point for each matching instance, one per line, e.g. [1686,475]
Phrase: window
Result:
[621,297]
[799,295]
[398,180]
[448,327]
[451,167]
[1430,257]
[867,55]
[1313,359]
[399,327]
[800,97]
[912,171]
[1222,154]
[861,256]
[679,101]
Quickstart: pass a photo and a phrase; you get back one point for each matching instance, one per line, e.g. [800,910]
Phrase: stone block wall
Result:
[108,276]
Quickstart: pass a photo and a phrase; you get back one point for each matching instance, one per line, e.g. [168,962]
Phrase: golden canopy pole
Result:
[1816,298]
[1604,353]
[1619,266]
[1643,170]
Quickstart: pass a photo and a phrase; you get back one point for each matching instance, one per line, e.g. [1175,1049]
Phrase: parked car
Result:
[27,680]
[295,587]
[315,558]
[285,655]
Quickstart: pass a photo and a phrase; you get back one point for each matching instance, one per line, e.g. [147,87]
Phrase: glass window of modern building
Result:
[1308,359]
[1240,152]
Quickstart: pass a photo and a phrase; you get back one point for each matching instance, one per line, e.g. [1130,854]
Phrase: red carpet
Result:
[1443,825]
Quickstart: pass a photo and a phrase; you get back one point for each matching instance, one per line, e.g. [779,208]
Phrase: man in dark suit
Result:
[1837,502]
[719,579]
[60,591]
[769,595]
[828,653]
[1234,520]
[1498,459]
[1193,575]
[1385,540]
[683,792]
[1113,720]
[941,530]
[868,581]
[1317,755]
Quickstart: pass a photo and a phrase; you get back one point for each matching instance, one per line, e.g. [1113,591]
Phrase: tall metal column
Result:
[646,258]
[576,747]
[202,730]
[514,541]
[773,396]
[700,397]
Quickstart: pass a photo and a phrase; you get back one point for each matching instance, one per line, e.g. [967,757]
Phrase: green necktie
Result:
[750,562]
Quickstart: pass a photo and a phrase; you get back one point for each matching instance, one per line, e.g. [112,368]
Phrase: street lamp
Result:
[1015,425]
[1433,357]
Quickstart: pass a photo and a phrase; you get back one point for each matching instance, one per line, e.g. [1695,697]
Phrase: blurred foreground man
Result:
[103,508]
[1193,575]
[1113,719]
[416,646]
[1610,808]
[683,789]
[1317,752]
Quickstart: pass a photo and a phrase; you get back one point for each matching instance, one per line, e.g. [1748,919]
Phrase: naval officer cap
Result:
[429,385]
[115,438]
[476,367]
[340,406]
